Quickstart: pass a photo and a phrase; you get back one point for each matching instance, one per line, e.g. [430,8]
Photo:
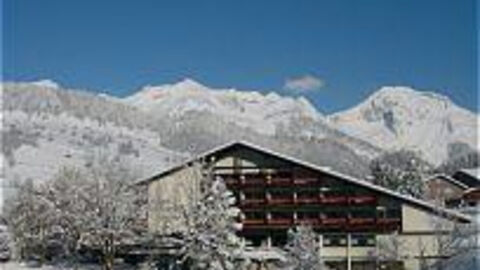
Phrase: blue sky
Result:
[335,52]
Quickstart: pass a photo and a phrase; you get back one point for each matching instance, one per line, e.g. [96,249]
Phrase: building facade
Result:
[361,226]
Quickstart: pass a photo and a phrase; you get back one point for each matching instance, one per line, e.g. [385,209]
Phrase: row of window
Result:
[327,240]
[356,240]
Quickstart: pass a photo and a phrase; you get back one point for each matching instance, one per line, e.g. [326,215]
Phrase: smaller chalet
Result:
[277,192]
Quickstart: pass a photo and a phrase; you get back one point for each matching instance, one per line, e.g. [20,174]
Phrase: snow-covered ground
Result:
[26,266]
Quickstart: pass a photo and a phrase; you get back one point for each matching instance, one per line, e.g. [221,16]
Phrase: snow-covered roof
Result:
[470,177]
[326,170]
[448,179]
[475,172]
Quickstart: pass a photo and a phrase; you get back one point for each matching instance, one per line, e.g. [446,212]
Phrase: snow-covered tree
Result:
[468,159]
[110,211]
[32,220]
[5,251]
[401,171]
[303,249]
[454,243]
[210,240]
[98,210]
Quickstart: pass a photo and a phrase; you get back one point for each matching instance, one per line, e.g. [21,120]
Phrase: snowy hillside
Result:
[403,118]
[46,128]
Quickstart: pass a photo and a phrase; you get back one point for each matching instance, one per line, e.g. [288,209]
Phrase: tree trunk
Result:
[108,262]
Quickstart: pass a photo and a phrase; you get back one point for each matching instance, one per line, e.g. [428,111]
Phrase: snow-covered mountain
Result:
[392,118]
[403,118]
[248,109]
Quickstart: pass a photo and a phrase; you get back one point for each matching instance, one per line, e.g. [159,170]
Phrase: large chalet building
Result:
[277,192]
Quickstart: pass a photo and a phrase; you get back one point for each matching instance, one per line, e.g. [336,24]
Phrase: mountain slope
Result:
[242,112]
[46,128]
[402,118]
[247,109]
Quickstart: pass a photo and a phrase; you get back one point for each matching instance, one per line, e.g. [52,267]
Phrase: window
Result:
[363,240]
[254,215]
[335,240]
[363,214]
[341,240]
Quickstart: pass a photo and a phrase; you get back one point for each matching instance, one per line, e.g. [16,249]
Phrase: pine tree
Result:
[303,250]
[210,241]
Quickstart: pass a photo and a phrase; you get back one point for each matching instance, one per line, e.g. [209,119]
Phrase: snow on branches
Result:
[210,240]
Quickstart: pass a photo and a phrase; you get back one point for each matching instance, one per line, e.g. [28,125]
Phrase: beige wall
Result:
[169,197]
[416,220]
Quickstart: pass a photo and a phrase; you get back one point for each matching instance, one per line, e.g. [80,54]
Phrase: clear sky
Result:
[335,52]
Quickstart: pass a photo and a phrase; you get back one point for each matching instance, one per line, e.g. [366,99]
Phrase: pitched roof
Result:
[448,179]
[469,177]
[325,170]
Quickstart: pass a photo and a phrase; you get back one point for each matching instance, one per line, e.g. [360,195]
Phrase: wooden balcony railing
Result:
[313,200]
[361,221]
[362,199]
[281,182]
[252,202]
[253,222]
[307,200]
[308,221]
[280,221]
[333,222]
[305,181]
[273,182]
[253,182]
[333,199]
[280,201]
[324,223]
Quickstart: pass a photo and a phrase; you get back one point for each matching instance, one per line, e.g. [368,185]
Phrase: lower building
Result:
[360,225]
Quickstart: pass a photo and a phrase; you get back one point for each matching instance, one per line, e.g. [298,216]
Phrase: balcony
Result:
[252,221]
[307,221]
[253,182]
[333,200]
[280,221]
[307,200]
[360,200]
[305,181]
[281,182]
[280,201]
[361,222]
[333,222]
[252,202]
